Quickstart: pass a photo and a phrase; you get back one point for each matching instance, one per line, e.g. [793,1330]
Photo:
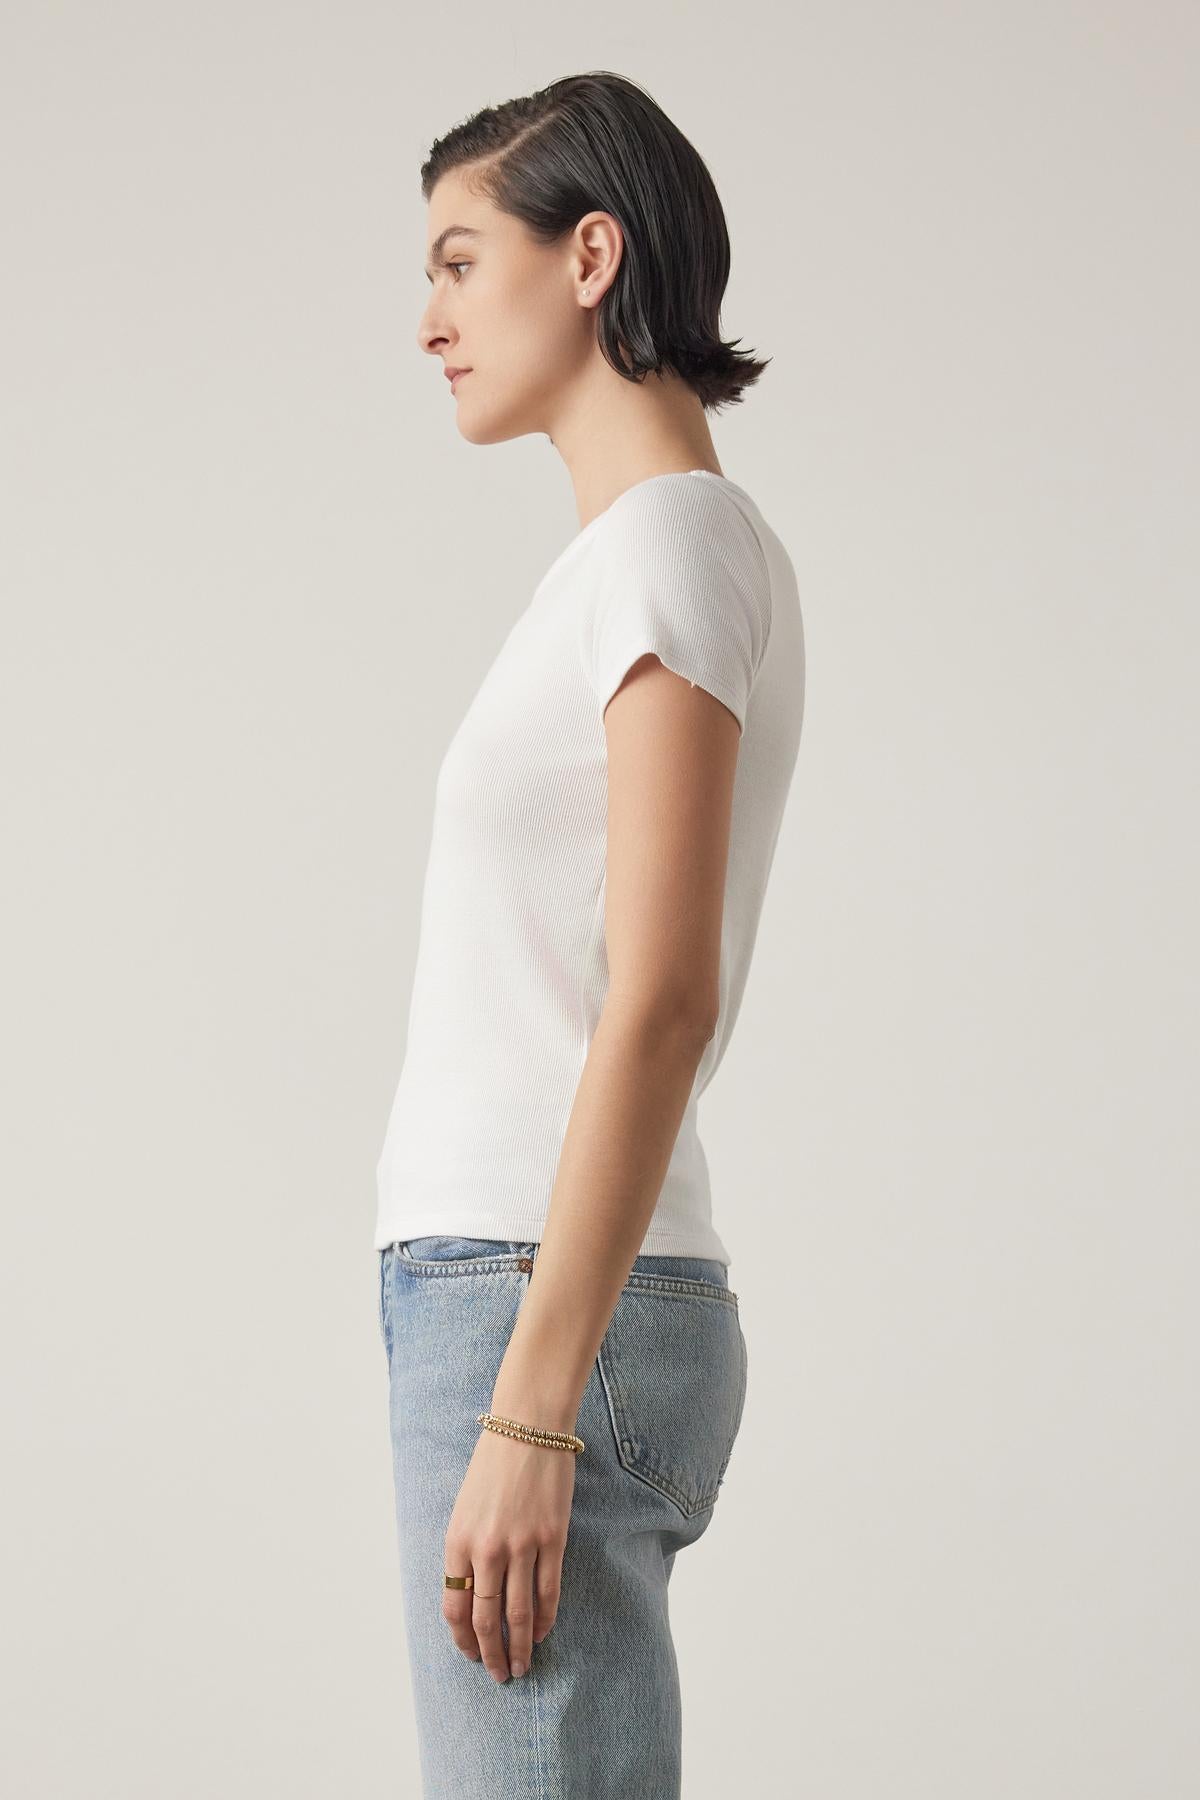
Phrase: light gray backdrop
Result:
[251,578]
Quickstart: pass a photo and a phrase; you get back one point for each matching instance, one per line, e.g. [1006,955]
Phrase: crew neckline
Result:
[585,531]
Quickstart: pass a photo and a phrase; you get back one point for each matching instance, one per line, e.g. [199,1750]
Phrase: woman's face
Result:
[507,309]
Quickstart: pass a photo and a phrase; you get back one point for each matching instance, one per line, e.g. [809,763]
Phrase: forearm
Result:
[629,1104]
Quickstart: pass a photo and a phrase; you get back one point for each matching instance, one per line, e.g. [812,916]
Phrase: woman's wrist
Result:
[539,1397]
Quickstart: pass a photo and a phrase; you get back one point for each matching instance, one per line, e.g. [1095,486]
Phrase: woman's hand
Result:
[512,1513]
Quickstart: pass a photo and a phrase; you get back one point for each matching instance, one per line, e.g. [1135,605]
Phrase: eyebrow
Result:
[444,236]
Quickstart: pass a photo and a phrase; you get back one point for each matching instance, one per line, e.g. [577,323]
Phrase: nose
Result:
[432,334]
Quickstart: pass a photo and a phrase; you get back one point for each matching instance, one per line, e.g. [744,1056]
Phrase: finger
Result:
[518,1607]
[487,1614]
[548,1583]
[456,1603]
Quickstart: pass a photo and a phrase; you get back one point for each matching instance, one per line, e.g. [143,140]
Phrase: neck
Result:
[612,433]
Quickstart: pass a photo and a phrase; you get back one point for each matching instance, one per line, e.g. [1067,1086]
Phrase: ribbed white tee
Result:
[511,971]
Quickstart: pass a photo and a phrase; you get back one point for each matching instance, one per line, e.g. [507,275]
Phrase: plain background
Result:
[252,577]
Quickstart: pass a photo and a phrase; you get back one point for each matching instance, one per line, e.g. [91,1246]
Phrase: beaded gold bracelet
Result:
[531,1434]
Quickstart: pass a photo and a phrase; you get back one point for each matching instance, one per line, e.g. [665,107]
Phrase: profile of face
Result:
[509,310]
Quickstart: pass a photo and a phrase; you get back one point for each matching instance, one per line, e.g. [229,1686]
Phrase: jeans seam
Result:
[538,1764]
[385,1323]
[682,1284]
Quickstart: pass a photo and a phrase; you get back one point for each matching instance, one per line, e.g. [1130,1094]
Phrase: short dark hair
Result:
[598,142]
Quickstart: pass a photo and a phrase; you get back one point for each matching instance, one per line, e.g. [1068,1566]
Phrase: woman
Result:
[605,821]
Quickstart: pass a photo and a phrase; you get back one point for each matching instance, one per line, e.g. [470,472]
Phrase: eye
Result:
[457,265]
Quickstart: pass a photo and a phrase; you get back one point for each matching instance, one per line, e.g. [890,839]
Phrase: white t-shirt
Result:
[511,969]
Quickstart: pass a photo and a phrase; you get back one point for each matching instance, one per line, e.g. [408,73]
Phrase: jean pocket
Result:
[673,1365]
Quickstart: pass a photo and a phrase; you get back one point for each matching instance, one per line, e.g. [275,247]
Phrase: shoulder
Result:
[677,568]
[690,540]
[689,513]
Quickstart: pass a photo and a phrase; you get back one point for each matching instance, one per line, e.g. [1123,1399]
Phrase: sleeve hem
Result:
[678,665]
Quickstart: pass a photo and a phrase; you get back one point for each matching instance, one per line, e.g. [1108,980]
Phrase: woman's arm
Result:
[672,758]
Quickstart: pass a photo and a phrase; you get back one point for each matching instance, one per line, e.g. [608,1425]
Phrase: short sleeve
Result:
[679,571]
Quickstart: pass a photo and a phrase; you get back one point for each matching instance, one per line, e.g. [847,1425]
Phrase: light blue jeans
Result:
[598,1714]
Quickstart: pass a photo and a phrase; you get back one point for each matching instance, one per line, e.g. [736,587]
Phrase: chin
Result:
[478,425]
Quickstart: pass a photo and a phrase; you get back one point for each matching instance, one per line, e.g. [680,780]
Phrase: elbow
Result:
[664,1018]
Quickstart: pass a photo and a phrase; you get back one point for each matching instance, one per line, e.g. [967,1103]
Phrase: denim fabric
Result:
[599,1712]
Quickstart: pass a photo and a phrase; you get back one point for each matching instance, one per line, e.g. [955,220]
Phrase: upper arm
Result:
[671,642]
[672,762]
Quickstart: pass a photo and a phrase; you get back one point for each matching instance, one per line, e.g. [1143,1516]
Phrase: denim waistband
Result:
[446,1248]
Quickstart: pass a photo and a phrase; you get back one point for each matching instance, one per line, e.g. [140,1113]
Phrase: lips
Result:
[452,376]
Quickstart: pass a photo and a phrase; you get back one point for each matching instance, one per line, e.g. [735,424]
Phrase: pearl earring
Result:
[586,292]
